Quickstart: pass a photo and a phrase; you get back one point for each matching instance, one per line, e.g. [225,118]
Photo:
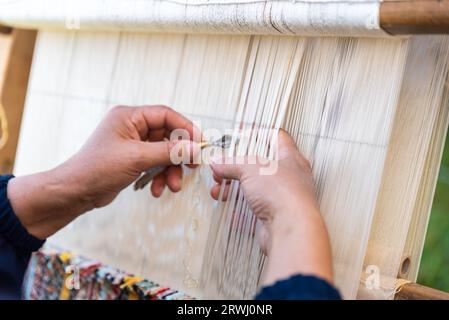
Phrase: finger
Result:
[162,117]
[174,178]
[152,154]
[157,135]
[288,147]
[218,179]
[194,155]
[286,144]
[228,168]
[215,192]
[158,185]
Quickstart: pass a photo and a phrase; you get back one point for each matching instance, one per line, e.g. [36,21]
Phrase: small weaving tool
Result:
[224,142]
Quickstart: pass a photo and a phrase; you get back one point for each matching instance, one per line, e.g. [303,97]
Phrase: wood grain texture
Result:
[415,17]
[17,56]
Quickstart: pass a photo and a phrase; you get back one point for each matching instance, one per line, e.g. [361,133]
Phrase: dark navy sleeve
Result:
[16,246]
[300,287]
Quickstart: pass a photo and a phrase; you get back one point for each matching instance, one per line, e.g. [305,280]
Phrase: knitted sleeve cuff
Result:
[11,229]
[300,287]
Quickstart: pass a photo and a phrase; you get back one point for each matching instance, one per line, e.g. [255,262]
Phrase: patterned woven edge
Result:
[60,275]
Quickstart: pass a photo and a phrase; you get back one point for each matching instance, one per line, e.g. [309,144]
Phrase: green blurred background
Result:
[434,270]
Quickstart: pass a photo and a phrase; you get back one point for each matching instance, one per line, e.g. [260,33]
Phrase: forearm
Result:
[16,246]
[299,245]
[114,156]
[45,202]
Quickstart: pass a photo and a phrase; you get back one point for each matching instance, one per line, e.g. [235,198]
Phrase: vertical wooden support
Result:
[16,52]
[420,219]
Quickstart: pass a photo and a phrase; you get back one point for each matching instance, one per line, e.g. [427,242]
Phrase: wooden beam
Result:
[18,49]
[414,291]
[400,17]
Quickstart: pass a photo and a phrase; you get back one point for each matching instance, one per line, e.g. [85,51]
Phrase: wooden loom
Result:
[396,17]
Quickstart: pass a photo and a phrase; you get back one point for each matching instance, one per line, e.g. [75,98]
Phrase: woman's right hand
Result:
[281,193]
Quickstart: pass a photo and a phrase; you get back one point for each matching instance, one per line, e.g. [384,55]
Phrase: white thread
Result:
[324,18]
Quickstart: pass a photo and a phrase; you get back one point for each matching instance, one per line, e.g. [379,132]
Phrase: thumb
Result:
[167,153]
[228,168]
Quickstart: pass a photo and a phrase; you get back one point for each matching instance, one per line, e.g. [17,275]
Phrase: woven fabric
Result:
[59,275]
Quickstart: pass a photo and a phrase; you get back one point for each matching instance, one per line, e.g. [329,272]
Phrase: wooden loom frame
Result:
[397,17]
[15,64]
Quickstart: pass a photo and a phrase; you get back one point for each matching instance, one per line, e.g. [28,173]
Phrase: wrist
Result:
[293,216]
[299,245]
[74,189]
[11,229]
[45,202]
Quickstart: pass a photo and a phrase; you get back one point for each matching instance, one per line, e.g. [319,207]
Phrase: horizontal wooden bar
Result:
[415,17]
[414,291]
[397,17]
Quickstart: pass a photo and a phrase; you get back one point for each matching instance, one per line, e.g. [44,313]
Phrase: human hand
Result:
[127,142]
[293,234]
[291,191]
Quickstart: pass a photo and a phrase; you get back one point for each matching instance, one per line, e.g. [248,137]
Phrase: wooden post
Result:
[415,16]
[16,51]
[414,291]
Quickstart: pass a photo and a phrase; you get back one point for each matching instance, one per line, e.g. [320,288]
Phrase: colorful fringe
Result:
[49,275]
